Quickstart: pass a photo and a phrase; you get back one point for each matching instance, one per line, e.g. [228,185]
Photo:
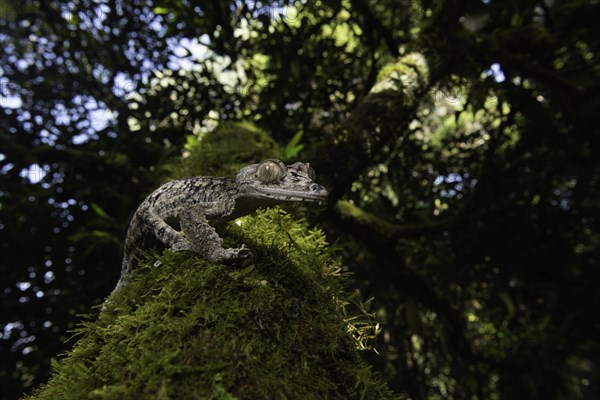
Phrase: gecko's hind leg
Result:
[146,221]
[167,235]
[205,240]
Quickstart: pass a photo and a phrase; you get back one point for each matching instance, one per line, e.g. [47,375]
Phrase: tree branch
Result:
[377,122]
[355,219]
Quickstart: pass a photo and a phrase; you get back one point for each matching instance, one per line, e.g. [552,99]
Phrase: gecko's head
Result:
[272,179]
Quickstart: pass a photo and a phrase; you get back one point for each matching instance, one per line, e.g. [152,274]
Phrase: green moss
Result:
[211,154]
[408,75]
[347,209]
[278,329]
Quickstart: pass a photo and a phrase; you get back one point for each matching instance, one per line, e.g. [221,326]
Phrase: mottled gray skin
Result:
[188,204]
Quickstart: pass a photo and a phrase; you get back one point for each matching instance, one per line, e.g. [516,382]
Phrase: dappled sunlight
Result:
[457,142]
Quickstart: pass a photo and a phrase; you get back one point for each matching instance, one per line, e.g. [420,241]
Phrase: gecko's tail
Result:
[125,266]
[125,271]
[132,240]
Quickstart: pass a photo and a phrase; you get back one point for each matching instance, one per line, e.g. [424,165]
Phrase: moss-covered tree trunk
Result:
[186,329]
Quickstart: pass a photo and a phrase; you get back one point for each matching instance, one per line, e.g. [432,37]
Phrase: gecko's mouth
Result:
[316,193]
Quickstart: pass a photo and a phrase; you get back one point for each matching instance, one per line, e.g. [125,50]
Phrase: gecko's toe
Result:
[181,246]
[240,256]
[244,253]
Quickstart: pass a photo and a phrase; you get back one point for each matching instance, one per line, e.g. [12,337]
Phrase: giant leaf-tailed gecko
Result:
[189,204]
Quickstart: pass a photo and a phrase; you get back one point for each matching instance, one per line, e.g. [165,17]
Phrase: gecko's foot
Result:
[237,256]
[181,246]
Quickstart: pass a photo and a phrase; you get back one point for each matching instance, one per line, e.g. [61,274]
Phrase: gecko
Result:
[177,214]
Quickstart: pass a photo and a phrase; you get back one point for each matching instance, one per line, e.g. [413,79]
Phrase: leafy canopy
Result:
[458,140]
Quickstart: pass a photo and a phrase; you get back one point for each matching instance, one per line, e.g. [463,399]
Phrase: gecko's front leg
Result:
[205,241]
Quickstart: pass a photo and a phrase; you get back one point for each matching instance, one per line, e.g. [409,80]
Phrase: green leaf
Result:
[101,234]
[99,211]
[293,147]
[160,10]
[510,305]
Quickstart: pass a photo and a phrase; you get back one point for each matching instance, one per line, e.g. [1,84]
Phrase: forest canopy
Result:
[457,139]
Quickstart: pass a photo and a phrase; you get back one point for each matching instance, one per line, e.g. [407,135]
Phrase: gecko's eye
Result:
[269,172]
[310,172]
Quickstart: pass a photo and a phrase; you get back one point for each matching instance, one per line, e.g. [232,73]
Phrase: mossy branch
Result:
[282,328]
[357,219]
[373,125]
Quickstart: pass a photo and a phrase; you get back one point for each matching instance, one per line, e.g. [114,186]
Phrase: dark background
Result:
[468,209]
